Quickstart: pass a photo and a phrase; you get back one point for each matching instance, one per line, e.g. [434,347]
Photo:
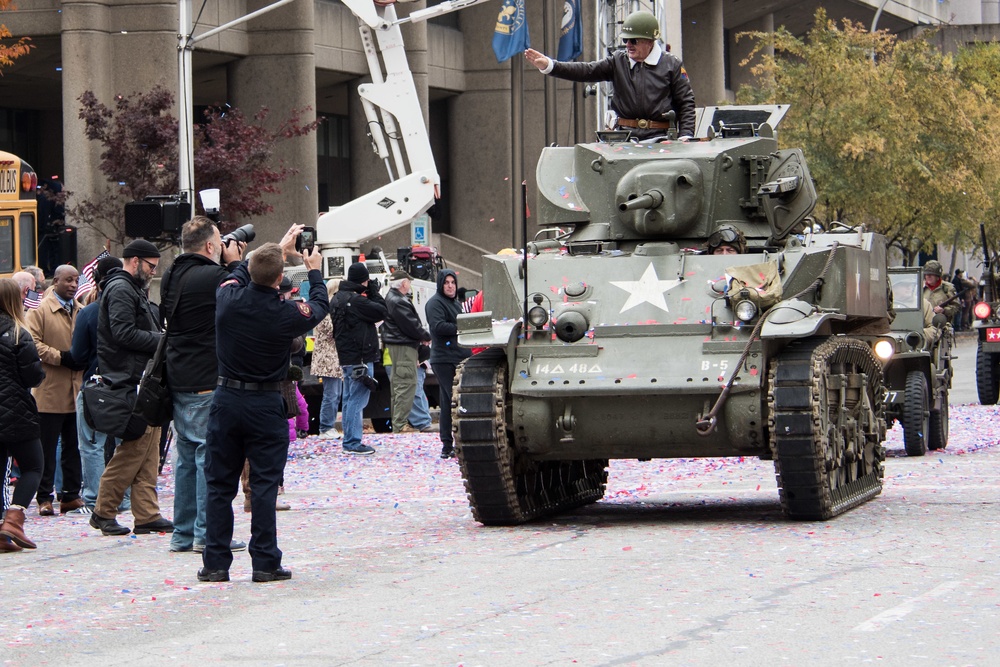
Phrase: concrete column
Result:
[112,48]
[741,76]
[991,12]
[670,23]
[279,73]
[704,50]
[415,39]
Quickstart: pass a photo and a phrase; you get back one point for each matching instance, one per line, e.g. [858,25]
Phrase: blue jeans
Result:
[356,397]
[420,413]
[190,490]
[91,444]
[333,388]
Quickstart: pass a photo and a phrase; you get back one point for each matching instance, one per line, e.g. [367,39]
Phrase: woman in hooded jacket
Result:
[20,370]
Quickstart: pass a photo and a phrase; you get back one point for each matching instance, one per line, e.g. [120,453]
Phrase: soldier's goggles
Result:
[631,41]
[722,236]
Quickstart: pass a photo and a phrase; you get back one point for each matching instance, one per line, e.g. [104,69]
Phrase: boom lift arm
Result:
[393,112]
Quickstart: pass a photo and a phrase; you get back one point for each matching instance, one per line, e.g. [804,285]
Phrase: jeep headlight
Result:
[884,349]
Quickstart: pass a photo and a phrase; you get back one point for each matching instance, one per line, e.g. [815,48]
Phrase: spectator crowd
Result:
[229,335]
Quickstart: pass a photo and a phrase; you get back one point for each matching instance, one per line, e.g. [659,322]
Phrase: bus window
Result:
[6,245]
[26,229]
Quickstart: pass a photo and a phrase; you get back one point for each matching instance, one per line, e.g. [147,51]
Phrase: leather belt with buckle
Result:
[644,124]
[248,386]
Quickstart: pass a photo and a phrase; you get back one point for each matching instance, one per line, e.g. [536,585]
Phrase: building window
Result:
[333,161]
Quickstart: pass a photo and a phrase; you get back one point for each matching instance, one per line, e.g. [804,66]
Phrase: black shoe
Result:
[108,526]
[161,525]
[447,452]
[264,576]
[204,574]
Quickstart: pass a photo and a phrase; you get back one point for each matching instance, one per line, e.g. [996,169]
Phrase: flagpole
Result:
[516,146]
[548,21]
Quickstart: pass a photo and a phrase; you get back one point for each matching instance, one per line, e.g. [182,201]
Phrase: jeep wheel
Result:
[916,416]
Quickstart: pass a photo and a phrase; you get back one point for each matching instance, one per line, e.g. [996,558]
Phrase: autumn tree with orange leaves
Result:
[11,50]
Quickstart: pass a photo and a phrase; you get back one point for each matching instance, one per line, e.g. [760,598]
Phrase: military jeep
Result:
[918,376]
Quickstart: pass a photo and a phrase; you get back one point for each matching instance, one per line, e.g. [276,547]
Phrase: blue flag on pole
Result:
[570,32]
[511,35]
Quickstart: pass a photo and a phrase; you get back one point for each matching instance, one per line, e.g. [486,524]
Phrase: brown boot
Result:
[6,546]
[13,527]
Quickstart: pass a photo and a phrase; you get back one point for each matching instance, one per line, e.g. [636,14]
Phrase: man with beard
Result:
[187,299]
[127,336]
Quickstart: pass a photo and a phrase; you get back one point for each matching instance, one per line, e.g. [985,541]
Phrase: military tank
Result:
[620,337]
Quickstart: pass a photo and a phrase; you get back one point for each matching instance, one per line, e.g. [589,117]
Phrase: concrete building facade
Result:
[309,54]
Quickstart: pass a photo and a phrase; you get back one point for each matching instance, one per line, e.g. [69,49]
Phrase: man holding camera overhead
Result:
[247,420]
[356,308]
[187,299]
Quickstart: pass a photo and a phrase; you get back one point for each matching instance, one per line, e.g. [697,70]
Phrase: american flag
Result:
[86,285]
[32,300]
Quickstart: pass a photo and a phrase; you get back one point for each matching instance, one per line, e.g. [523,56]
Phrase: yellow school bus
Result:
[18,213]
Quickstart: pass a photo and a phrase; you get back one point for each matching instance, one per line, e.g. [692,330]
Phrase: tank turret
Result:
[623,337]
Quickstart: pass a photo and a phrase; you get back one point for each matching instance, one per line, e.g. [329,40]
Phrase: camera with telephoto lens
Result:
[244,234]
[360,373]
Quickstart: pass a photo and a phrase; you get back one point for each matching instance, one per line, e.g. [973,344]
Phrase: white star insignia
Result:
[648,289]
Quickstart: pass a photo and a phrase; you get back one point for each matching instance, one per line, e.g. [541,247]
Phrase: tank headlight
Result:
[746,310]
[884,350]
[982,310]
[538,316]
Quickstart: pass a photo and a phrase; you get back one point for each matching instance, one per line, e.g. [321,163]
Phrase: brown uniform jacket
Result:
[52,328]
[939,295]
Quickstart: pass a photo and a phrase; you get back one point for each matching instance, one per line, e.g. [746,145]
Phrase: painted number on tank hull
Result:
[552,369]
[722,365]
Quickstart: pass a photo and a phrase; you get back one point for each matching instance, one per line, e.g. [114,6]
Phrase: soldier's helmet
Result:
[934,268]
[727,235]
[640,25]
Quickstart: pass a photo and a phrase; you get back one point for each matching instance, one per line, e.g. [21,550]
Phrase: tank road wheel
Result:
[987,376]
[916,415]
[937,437]
[504,487]
[825,402]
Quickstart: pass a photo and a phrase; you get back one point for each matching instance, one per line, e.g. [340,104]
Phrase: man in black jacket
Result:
[187,299]
[649,82]
[403,333]
[127,336]
[442,315]
[356,308]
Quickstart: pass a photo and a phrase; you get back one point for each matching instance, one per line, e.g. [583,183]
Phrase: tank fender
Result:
[794,318]
[479,330]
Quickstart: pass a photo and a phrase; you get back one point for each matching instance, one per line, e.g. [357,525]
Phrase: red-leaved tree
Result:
[11,51]
[139,157]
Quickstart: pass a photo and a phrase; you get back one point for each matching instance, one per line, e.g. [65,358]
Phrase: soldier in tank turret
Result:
[727,240]
[649,81]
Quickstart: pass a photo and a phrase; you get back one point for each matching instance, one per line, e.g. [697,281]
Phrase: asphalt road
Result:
[684,563]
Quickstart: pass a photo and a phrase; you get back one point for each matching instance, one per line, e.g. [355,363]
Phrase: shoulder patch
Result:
[231,281]
[304,308]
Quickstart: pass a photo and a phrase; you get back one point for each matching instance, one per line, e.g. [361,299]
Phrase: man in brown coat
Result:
[51,325]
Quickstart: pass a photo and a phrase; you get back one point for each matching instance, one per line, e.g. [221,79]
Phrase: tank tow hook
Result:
[566,422]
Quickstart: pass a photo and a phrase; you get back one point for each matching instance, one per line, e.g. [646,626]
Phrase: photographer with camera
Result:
[356,308]
[248,418]
[188,299]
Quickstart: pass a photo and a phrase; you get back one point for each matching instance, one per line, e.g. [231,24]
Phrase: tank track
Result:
[826,426]
[504,487]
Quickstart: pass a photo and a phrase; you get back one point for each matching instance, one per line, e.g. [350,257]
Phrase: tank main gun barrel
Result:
[651,199]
